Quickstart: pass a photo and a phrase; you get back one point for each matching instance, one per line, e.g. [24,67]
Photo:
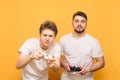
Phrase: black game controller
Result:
[75,69]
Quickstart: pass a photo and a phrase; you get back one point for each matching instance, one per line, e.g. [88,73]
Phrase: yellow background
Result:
[20,20]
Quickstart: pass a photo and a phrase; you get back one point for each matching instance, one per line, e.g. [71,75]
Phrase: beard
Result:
[80,31]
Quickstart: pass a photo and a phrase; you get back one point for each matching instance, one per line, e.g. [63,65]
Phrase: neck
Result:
[78,35]
[44,48]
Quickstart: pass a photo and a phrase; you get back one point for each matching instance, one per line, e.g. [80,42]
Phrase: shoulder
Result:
[31,40]
[56,45]
[90,37]
[67,36]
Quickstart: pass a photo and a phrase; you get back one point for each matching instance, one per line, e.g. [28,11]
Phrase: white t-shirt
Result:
[37,69]
[79,52]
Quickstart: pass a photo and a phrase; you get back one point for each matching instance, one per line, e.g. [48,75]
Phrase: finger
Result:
[53,56]
[35,57]
[67,67]
[51,65]
[40,55]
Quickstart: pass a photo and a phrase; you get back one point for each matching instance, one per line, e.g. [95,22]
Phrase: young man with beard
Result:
[37,54]
[80,50]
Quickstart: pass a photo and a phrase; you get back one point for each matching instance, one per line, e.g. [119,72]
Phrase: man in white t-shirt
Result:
[80,50]
[37,54]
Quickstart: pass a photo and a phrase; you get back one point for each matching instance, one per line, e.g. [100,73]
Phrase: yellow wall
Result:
[20,20]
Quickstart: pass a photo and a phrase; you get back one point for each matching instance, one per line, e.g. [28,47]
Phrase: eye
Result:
[44,34]
[83,21]
[50,35]
[76,21]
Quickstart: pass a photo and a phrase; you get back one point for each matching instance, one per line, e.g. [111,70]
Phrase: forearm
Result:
[98,65]
[56,65]
[62,64]
[23,61]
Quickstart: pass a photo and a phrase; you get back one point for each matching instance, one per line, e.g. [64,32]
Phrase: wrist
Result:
[31,57]
[65,65]
[87,70]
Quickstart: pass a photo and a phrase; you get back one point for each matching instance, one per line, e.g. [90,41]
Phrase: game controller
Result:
[75,69]
[46,56]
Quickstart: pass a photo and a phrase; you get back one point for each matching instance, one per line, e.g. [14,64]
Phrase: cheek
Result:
[42,38]
[74,26]
[84,24]
[52,39]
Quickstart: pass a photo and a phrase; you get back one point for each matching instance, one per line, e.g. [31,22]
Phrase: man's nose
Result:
[47,38]
[79,23]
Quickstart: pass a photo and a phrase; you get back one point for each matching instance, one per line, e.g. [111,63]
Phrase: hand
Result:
[50,62]
[67,67]
[75,69]
[36,55]
[83,71]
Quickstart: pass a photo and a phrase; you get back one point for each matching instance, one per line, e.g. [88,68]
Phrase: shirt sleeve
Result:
[58,51]
[97,51]
[25,48]
[61,46]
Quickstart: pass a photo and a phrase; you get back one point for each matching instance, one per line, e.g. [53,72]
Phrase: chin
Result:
[47,45]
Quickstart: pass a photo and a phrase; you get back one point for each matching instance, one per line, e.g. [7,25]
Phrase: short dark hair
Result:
[79,13]
[48,25]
